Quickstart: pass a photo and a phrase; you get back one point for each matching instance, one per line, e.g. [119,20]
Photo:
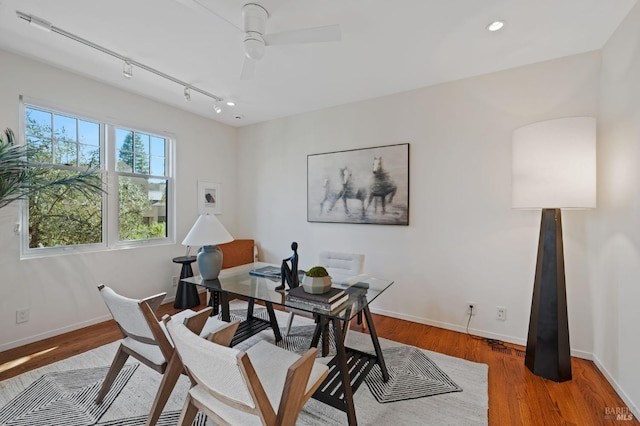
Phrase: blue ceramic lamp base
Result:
[209,262]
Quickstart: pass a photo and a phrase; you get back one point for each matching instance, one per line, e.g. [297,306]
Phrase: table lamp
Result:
[554,167]
[208,232]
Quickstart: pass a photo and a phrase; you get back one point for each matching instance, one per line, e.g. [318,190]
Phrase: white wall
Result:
[464,242]
[61,291]
[614,232]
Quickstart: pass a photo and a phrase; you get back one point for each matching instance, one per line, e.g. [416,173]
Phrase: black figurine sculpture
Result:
[290,274]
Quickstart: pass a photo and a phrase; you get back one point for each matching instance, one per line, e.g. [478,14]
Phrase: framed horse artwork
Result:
[366,185]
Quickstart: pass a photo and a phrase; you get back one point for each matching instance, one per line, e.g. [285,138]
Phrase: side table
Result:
[187,294]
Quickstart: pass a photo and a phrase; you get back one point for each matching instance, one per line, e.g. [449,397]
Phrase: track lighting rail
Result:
[47,26]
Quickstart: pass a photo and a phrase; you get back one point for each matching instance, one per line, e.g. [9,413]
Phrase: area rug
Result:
[64,398]
[412,374]
[129,408]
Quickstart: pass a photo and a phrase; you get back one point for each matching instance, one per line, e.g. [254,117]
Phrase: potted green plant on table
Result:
[316,280]
[21,178]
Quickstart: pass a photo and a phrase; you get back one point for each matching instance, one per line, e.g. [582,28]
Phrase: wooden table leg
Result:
[316,333]
[224,305]
[376,343]
[210,302]
[215,302]
[322,330]
[325,339]
[344,373]
[273,321]
[250,306]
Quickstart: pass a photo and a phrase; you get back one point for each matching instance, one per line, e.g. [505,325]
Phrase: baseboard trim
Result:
[53,333]
[634,408]
[62,330]
[474,331]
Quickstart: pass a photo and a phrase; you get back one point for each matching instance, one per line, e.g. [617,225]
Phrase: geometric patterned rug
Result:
[64,398]
[412,374]
[68,398]
[131,406]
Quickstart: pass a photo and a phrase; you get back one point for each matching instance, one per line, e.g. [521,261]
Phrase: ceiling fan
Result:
[254,19]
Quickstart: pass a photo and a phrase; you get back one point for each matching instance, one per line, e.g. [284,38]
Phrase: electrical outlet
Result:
[22,315]
[501,313]
[471,308]
[174,281]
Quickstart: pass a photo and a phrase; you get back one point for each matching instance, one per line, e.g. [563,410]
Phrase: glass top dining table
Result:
[362,290]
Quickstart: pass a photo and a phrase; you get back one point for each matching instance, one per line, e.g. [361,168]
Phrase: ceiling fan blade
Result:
[248,69]
[307,35]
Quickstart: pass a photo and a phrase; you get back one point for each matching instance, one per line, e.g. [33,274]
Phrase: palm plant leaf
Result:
[21,178]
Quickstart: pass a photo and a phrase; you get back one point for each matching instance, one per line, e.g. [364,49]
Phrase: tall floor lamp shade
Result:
[553,167]
[208,232]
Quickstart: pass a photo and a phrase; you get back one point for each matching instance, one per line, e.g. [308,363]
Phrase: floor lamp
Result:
[554,167]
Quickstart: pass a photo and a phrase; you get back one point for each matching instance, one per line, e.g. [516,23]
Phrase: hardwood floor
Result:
[516,397]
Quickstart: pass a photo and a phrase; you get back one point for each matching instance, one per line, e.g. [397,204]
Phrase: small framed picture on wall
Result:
[209,197]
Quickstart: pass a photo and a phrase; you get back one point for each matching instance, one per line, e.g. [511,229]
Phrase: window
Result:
[136,163]
[141,165]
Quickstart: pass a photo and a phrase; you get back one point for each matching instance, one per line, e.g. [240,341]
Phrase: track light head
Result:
[217,109]
[187,94]
[127,69]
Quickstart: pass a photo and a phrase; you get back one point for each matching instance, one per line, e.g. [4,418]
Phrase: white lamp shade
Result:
[554,164]
[207,231]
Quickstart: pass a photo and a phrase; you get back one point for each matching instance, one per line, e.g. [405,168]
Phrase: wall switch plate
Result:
[501,313]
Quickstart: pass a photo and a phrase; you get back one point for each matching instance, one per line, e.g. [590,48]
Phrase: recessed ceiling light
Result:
[495,26]
[231,103]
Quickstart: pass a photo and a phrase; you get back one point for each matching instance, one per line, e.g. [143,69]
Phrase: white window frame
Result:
[110,211]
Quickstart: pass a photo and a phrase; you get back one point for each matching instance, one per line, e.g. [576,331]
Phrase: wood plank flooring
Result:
[516,397]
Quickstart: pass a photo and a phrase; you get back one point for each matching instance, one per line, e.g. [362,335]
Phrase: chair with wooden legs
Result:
[265,385]
[146,339]
[340,266]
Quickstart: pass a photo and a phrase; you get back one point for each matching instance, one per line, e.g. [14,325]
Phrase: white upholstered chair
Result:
[265,385]
[146,339]
[340,266]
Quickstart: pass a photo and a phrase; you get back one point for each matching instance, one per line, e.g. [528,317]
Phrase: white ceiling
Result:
[386,47]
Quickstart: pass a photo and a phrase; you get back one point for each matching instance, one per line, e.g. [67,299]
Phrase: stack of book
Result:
[325,302]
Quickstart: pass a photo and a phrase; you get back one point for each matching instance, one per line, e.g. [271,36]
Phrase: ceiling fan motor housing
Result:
[255,19]
[254,46]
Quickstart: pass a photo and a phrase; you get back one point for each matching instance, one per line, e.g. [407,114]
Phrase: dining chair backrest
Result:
[128,314]
[342,264]
[211,365]
[264,385]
